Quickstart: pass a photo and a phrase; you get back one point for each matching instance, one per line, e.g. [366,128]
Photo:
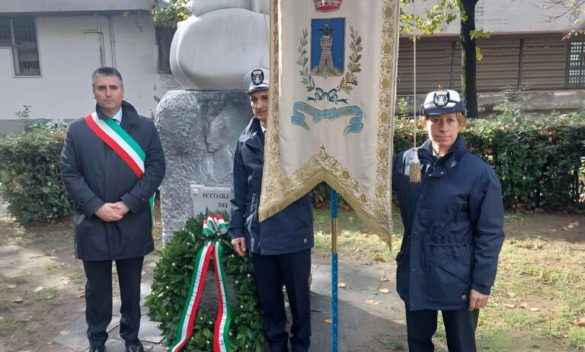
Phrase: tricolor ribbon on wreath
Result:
[213,228]
[122,144]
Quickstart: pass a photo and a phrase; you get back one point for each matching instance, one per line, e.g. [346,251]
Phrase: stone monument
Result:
[210,53]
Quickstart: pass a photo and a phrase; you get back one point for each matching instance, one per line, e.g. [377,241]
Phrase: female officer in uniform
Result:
[453,229]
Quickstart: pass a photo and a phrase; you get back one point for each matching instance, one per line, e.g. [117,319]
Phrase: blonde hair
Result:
[460,118]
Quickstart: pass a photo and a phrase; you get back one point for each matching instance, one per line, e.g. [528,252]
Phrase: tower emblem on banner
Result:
[323,71]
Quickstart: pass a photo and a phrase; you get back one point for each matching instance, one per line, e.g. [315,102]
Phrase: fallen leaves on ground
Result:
[379,258]
[572,225]
[522,305]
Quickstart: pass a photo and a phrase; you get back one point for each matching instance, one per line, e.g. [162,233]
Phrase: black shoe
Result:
[97,349]
[134,347]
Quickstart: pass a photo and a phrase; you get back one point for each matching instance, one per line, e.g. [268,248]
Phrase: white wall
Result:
[28,6]
[70,49]
[517,16]
[505,16]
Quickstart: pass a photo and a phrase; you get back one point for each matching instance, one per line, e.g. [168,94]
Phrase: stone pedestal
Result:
[198,131]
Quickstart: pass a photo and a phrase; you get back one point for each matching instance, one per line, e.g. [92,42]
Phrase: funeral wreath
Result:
[179,282]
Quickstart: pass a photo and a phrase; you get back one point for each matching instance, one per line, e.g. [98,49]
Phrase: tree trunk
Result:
[468,59]
[164,38]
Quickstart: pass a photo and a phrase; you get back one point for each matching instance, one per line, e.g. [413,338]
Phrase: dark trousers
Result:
[98,299]
[459,326]
[292,270]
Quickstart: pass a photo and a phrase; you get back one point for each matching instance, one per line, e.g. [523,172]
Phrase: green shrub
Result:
[29,174]
[540,159]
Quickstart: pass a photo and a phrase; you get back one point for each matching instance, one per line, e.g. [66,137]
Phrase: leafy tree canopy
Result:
[575,9]
[434,20]
[167,13]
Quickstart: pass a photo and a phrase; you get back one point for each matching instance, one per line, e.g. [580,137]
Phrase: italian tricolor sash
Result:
[212,250]
[123,144]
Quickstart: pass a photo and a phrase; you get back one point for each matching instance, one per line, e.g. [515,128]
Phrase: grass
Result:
[5,305]
[353,239]
[538,295]
[539,291]
[13,278]
[8,326]
[77,277]
[48,295]
[396,343]
[577,338]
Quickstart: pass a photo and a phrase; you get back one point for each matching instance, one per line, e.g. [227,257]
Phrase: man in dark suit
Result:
[112,163]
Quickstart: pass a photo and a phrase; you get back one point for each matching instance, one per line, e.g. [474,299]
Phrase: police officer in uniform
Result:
[453,229]
[280,246]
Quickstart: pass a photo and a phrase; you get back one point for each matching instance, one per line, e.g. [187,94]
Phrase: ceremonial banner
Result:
[332,88]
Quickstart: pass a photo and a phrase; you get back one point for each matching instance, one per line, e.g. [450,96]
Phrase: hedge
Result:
[540,160]
[30,178]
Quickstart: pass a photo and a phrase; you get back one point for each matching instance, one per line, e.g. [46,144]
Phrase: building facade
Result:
[527,51]
[48,50]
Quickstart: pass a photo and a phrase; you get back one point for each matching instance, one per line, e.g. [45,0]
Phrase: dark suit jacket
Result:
[94,174]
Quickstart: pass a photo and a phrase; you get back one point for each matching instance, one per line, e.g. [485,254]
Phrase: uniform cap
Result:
[442,101]
[256,79]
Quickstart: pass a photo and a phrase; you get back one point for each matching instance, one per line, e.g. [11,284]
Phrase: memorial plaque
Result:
[214,199]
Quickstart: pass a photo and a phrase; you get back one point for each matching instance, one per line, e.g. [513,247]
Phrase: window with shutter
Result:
[20,34]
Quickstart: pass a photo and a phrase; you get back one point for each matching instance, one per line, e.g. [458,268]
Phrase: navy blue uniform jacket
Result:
[94,174]
[453,228]
[288,231]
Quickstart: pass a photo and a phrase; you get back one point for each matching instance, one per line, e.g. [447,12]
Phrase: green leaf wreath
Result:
[349,79]
[303,62]
[171,280]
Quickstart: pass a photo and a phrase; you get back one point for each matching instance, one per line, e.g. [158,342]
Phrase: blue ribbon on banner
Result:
[301,110]
[330,96]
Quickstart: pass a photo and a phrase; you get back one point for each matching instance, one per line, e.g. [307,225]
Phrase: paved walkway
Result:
[371,316]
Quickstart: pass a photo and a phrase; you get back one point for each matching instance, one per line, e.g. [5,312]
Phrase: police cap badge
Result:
[256,79]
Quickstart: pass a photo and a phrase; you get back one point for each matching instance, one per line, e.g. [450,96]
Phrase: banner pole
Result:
[334,300]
